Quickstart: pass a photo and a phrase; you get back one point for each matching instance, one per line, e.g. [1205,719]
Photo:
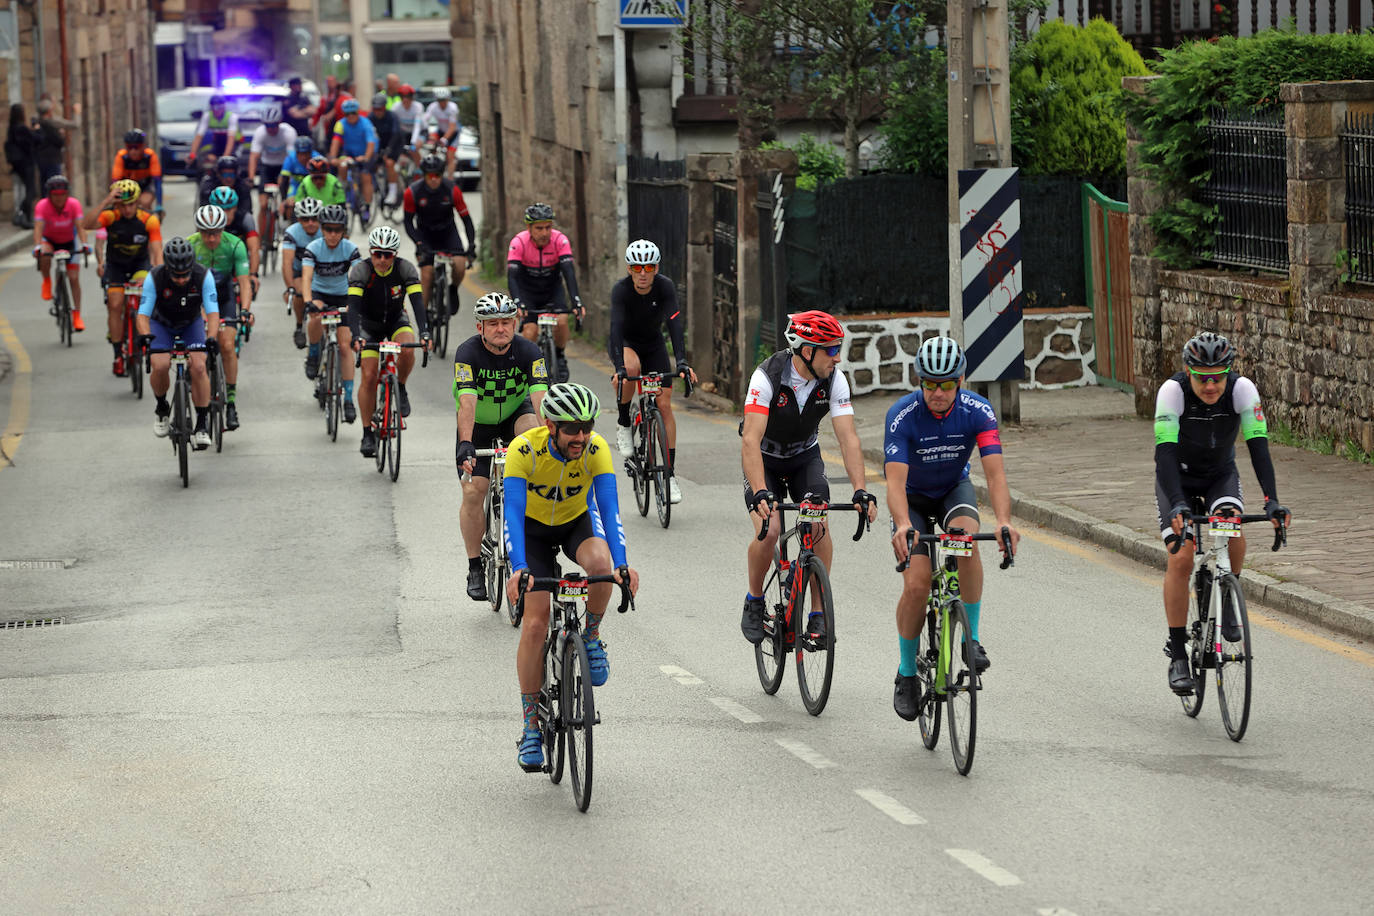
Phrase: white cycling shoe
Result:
[624,441]
[674,491]
[200,440]
[162,426]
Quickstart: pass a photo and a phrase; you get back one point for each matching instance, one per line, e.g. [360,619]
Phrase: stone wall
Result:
[880,349]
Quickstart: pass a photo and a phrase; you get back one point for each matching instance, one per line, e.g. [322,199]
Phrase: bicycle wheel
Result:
[638,468]
[396,423]
[1199,652]
[441,336]
[770,655]
[332,391]
[64,310]
[961,689]
[578,710]
[815,657]
[219,394]
[181,421]
[927,663]
[384,404]
[658,457]
[133,365]
[551,724]
[550,354]
[1233,665]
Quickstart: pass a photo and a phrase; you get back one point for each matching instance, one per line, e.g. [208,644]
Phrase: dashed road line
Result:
[890,806]
[984,867]
[804,753]
[743,713]
[1054,911]
[681,675]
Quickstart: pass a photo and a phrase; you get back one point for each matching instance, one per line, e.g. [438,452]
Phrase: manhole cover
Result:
[59,563]
[31,624]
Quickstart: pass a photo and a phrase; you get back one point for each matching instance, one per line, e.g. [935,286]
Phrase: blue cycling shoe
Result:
[531,746]
[597,662]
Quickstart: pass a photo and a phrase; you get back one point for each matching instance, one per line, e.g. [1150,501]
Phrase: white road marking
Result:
[681,675]
[999,876]
[805,753]
[1054,911]
[743,713]
[890,806]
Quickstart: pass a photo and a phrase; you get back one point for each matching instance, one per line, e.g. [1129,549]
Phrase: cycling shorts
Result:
[542,542]
[484,434]
[73,264]
[117,274]
[228,301]
[532,309]
[193,334]
[959,502]
[446,240]
[375,330]
[653,355]
[792,479]
[1204,494]
[268,174]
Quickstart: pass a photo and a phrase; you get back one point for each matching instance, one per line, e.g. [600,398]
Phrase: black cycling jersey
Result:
[1198,440]
[177,305]
[500,381]
[388,129]
[792,427]
[637,321]
[380,299]
[429,214]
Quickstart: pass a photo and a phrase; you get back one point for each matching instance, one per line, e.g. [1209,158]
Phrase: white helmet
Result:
[209,218]
[308,208]
[442,95]
[383,238]
[494,305]
[642,251]
[940,359]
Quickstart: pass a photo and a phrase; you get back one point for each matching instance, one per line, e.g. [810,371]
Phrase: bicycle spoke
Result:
[579,717]
[962,686]
[770,655]
[815,657]
[1233,665]
[927,663]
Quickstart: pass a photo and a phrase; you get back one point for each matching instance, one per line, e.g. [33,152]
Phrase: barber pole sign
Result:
[990,245]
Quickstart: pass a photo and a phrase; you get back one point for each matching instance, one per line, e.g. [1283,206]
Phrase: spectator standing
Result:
[49,150]
[19,153]
[298,111]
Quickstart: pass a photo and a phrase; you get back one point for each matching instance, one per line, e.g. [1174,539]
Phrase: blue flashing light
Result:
[234,84]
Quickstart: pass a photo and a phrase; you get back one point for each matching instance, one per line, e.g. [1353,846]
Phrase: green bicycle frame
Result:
[946,585]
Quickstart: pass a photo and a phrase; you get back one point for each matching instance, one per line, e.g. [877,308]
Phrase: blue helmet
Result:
[305,145]
[224,197]
[940,359]
[350,106]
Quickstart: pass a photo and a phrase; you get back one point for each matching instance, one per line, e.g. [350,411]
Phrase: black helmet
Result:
[179,256]
[334,215]
[432,164]
[227,164]
[538,213]
[135,136]
[55,183]
[1208,349]
[217,99]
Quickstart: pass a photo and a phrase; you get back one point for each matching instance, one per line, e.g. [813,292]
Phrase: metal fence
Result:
[1357,145]
[657,197]
[1247,158]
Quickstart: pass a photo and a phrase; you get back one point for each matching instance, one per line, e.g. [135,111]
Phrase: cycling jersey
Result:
[500,381]
[1199,440]
[294,240]
[295,167]
[388,129]
[793,405]
[380,299]
[532,273]
[354,137]
[432,210]
[274,149]
[128,237]
[174,305]
[331,265]
[240,186]
[221,132]
[637,321]
[138,168]
[446,117]
[331,192]
[936,449]
[412,119]
[227,261]
[546,487]
[59,226]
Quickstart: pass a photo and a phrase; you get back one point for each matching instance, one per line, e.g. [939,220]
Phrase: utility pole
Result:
[977,37]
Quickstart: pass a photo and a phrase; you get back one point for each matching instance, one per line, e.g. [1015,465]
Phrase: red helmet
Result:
[406,89]
[813,328]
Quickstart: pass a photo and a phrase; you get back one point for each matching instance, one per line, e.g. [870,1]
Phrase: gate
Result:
[725,294]
[657,196]
[772,261]
[1107,276]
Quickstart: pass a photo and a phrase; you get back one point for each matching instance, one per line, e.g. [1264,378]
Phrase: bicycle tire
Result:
[550,355]
[64,310]
[379,422]
[658,455]
[815,661]
[441,336]
[578,711]
[770,654]
[332,388]
[961,690]
[218,396]
[182,421]
[555,735]
[397,425]
[1198,649]
[927,663]
[133,365]
[1233,666]
[638,467]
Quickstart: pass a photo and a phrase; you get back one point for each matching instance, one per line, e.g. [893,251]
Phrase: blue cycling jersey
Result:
[936,449]
[296,240]
[355,137]
[331,265]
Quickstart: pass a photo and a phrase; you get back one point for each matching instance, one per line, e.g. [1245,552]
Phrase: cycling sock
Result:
[530,703]
[163,408]
[906,654]
[201,414]
[624,418]
[116,348]
[972,608]
[1178,642]
[749,597]
[474,563]
[593,626]
[559,353]
[232,390]
[348,389]
[314,351]
[672,457]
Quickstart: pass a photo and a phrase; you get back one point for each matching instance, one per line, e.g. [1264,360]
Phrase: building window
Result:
[334,11]
[420,63]
[408,9]
[336,55]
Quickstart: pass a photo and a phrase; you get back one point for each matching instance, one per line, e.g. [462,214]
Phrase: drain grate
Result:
[60,563]
[31,624]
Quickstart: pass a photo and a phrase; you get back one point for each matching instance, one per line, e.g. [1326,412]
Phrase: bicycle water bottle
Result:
[786,570]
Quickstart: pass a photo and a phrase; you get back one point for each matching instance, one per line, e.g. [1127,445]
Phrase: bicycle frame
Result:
[1216,559]
[811,513]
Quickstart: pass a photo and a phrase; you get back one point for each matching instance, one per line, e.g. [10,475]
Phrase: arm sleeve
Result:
[513,280]
[208,294]
[157,188]
[617,333]
[565,267]
[608,506]
[1168,408]
[145,302]
[1264,465]
[469,232]
[675,331]
[408,207]
[1246,402]
[760,394]
[513,518]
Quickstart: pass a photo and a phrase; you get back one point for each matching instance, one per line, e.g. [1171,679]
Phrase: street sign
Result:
[652,14]
[990,249]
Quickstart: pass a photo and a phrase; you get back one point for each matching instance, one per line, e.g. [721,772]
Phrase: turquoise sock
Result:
[529,703]
[971,608]
[314,350]
[907,652]
[348,389]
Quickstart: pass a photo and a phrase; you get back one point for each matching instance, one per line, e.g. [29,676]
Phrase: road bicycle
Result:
[946,667]
[495,562]
[443,303]
[787,623]
[649,466]
[243,330]
[387,421]
[62,294]
[567,706]
[272,227]
[353,185]
[219,393]
[181,427]
[547,321]
[130,350]
[1216,608]
[328,381]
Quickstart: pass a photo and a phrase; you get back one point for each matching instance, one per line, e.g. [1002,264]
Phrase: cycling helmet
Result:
[318,165]
[305,145]
[538,213]
[940,359]
[379,100]
[224,197]
[383,238]
[134,136]
[217,100]
[308,208]
[271,116]
[813,329]
[432,164]
[442,95]
[210,218]
[494,305]
[571,403]
[227,164]
[179,256]
[334,215]
[126,190]
[350,106]
[1208,349]
[406,89]
[55,183]
[642,252]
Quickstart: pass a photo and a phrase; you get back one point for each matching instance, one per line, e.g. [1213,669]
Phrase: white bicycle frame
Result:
[1216,559]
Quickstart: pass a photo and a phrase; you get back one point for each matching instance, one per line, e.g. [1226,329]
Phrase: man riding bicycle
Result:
[789,394]
[56,224]
[390,141]
[273,143]
[1197,414]
[225,256]
[134,243]
[226,175]
[936,429]
[356,139]
[296,168]
[641,304]
[138,162]
[321,185]
[538,265]
[218,129]
[239,221]
[294,240]
[499,380]
[377,292]
[560,494]
[325,264]
[411,116]
[430,203]
[444,112]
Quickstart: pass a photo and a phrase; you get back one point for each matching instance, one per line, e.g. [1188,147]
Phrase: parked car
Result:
[179,112]
[467,166]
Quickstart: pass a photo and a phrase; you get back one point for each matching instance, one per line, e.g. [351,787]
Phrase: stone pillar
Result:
[749,164]
[1150,364]
[703,170]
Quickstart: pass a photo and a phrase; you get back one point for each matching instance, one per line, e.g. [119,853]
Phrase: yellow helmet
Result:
[126,190]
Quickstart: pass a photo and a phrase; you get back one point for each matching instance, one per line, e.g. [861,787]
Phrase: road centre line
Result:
[980,864]
[805,754]
[890,806]
[681,675]
[743,713]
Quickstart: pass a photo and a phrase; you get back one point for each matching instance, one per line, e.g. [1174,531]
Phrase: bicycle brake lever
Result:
[1008,558]
[910,546]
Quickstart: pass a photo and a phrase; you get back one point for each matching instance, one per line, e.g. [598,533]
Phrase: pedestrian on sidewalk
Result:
[49,150]
[20,143]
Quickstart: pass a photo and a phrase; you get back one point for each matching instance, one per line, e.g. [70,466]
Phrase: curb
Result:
[15,243]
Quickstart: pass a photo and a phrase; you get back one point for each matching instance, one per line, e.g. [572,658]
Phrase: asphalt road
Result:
[270,694]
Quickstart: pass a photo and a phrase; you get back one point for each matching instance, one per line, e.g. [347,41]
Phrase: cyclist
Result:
[377,290]
[355,143]
[133,244]
[789,394]
[174,296]
[560,494]
[499,380]
[239,221]
[325,263]
[411,116]
[138,161]
[936,429]
[273,143]
[430,203]
[641,304]
[321,185]
[444,112]
[538,265]
[1197,414]
[295,239]
[296,168]
[218,129]
[389,144]
[226,175]
[56,224]
[226,257]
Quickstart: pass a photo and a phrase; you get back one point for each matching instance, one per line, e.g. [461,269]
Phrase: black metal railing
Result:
[1357,147]
[1248,161]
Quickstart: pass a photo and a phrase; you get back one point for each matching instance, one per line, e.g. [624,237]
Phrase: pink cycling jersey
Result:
[540,262]
[59,227]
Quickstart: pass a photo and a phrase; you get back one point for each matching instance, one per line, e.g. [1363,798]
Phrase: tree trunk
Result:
[753,127]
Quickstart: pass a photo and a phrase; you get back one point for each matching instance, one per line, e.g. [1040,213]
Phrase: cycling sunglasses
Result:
[572,429]
[644,268]
[832,351]
[388,255]
[1215,376]
[930,384]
